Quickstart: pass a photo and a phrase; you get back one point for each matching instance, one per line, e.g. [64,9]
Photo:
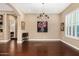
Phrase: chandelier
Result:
[43,15]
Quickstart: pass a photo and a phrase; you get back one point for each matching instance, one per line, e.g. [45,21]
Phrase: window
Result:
[72,24]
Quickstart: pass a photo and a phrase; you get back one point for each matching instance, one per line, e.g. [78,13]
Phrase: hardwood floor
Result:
[45,48]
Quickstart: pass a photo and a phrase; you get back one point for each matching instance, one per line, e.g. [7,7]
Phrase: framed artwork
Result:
[42,26]
[1,17]
[23,25]
[62,26]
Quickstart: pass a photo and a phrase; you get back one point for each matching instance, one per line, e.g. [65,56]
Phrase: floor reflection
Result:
[3,49]
[42,51]
[25,46]
[12,47]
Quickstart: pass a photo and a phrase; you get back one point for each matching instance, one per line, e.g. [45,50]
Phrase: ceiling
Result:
[36,7]
[5,7]
[39,7]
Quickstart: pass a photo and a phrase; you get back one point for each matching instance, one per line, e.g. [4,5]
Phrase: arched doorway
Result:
[12,25]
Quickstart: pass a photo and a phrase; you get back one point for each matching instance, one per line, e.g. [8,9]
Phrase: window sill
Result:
[71,37]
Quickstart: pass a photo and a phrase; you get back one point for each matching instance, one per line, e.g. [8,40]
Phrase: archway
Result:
[20,17]
[12,26]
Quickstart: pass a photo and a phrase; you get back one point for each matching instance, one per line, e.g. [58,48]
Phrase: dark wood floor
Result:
[55,48]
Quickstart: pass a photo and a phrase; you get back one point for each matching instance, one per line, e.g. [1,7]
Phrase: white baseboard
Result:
[19,41]
[44,40]
[4,41]
[55,40]
[70,44]
[39,40]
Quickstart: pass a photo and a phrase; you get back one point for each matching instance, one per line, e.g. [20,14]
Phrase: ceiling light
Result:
[43,15]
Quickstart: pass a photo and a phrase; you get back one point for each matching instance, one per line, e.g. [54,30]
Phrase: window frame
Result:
[71,17]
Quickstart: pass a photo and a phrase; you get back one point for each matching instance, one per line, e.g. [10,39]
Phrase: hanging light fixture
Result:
[43,15]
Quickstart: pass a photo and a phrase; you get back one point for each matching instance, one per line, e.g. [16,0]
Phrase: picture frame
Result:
[23,25]
[42,26]
[62,26]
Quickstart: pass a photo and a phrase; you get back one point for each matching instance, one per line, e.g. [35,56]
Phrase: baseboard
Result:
[4,41]
[51,40]
[44,40]
[69,44]
[19,41]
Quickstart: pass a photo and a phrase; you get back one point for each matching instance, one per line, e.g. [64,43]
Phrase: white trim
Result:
[4,41]
[72,37]
[19,41]
[69,18]
[70,44]
[54,40]
[44,40]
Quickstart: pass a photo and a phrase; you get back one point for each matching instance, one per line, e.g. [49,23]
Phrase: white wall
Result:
[53,27]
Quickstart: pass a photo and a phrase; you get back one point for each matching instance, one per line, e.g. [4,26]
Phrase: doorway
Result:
[12,27]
